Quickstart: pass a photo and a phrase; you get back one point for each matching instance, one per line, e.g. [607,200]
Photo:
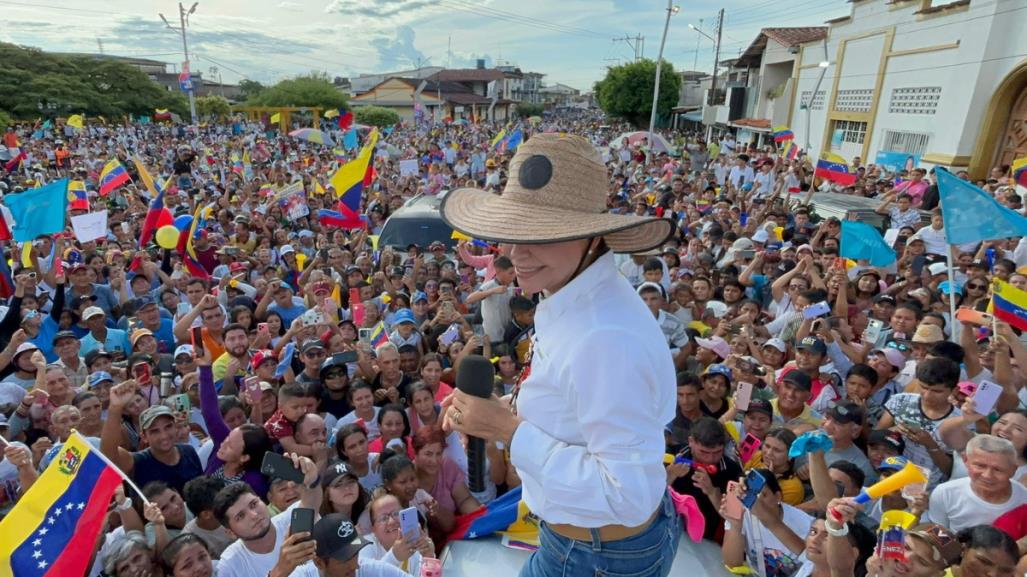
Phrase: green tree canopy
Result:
[627,91]
[311,90]
[250,88]
[526,109]
[376,116]
[71,84]
[213,106]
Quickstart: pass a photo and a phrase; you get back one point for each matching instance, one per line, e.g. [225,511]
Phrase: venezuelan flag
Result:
[77,196]
[237,166]
[336,219]
[156,217]
[6,280]
[1010,304]
[790,150]
[349,181]
[379,336]
[144,175]
[52,530]
[782,133]
[112,176]
[189,258]
[1020,171]
[507,515]
[498,138]
[834,168]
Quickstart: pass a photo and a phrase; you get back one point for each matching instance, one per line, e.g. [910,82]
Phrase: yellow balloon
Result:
[167,237]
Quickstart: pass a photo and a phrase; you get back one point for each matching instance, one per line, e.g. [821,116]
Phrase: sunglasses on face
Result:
[897,346]
[976,287]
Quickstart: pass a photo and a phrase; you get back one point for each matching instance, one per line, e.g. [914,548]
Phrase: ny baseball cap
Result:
[890,439]
[846,412]
[337,538]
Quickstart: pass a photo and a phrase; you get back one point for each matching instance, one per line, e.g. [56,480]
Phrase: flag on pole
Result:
[860,241]
[790,150]
[144,175]
[972,215]
[349,180]
[276,118]
[379,336]
[189,258]
[156,216]
[782,133]
[834,168]
[1009,304]
[6,279]
[38,211]
[498,138]
[336,219]
[112,176]
[1020,171]
[52,530]
[15,162]
[345,119]
[75,121]
[332,113]
[78,199]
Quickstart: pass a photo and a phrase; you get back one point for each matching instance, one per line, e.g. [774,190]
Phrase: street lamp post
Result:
[183,17]
[671,10]
[823,65]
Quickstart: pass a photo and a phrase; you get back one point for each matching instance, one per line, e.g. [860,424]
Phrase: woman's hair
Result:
[342,434]
[988,537]
[348,322]
[416,388]
[281,322]
[787,437]
[255,442]
[362,502]
[427,435]
[392,464]
[395,408]
[174,546]
[356,385]
[226,403]
[233,316]
[429,358]
[83,397]
[122,549]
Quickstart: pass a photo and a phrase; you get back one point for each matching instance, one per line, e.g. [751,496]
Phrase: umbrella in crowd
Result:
[660,143]
[312,135]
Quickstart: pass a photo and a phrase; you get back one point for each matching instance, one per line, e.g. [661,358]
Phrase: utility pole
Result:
[100,44]
[695,61]
[636,44]
[183,18]
[671,10]
[716,55]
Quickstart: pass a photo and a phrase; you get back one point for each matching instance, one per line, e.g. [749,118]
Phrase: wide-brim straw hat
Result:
[556,192]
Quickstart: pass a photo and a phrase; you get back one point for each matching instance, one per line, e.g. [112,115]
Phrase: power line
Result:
[511,16]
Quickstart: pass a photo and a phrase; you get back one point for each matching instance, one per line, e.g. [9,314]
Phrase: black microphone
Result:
[475,376]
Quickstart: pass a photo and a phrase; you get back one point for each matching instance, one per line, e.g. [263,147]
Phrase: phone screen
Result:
[141,372]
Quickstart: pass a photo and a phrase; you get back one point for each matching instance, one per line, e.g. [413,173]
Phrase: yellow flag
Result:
[276,118]
[374,241]
[331,113]
[76,121]
[26,255]
[318,189]
[144,175]
[459,236]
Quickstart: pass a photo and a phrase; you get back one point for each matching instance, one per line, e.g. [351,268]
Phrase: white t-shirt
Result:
[239,561]
[954,505]
[777,560]
[371,568]
[373,432]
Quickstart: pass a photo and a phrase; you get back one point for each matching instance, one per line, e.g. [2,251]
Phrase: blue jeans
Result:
[647,554]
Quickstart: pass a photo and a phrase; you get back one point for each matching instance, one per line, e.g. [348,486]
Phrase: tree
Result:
[250,88]
[627,91]
[526,109]
[34,83]
[213,106]
[5,120]
[313,90]
[376,116]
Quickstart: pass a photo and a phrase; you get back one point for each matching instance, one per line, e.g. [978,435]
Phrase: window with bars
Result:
[852,131]
[908,142]
[915,100]
[818,100]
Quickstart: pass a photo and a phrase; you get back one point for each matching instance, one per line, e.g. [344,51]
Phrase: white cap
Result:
[937,268]
[286,250]
[91,312]
[777,344]
[760,236]
[183,350]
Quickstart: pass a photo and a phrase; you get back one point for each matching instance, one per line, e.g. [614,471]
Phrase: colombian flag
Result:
[112,176]
[1020,171]
[782,133]
[52,530]
[834,168]
[1009,303]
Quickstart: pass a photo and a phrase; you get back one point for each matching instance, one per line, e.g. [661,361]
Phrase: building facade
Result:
[928,82]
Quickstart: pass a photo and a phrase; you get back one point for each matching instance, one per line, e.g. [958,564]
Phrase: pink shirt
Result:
[478,262]
[450,476]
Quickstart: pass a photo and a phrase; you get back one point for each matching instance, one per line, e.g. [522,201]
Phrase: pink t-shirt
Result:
[443,392]
[450,476]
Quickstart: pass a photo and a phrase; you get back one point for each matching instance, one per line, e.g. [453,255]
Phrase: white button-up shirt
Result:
[590,449]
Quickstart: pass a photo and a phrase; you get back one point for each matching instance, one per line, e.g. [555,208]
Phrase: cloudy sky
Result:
[570,41]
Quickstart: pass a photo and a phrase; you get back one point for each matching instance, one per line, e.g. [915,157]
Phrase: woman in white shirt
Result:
[588,450]
[389,545]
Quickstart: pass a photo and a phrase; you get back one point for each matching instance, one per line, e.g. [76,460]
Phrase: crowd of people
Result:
[803,376]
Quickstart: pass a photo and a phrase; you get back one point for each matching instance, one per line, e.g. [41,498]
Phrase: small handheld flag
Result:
[782,133]
[834,168]
[1020,171]
[112,176]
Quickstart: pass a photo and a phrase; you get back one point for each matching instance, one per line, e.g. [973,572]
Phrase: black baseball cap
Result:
[95,354]
[63,335]
[882,298]
[889,439]
[761,406]
[337,538]
[798,379]
[846,412]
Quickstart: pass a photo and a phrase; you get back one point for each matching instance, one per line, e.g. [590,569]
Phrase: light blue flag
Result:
[861,241]
[349,141]
[283,365]
[972,215]
[38,211]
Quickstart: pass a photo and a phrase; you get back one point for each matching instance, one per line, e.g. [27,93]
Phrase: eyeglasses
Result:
[316,353]
[796,287]
[897,346]
[382,519]
[976,287]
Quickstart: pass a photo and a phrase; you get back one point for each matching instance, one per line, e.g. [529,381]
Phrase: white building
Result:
[942,81]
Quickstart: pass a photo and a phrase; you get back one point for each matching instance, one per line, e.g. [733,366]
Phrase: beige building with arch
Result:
[942,81]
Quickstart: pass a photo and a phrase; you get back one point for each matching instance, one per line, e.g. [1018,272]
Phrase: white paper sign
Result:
[408,167]
[90,226]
